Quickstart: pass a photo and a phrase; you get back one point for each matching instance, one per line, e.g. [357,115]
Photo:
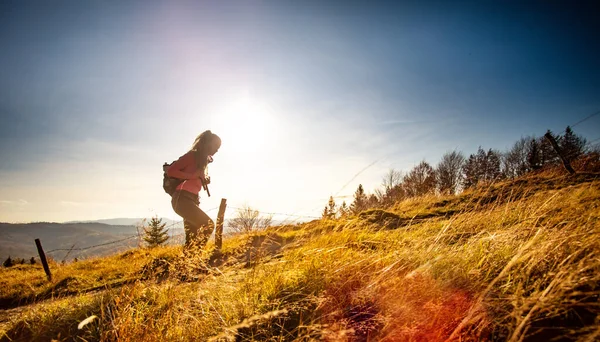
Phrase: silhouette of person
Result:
[192,169]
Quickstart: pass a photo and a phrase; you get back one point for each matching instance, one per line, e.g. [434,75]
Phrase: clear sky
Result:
[95,96]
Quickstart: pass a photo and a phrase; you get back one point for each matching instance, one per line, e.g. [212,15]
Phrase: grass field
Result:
[515,261]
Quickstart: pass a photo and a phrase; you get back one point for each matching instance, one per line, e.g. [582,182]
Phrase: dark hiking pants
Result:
[198,226]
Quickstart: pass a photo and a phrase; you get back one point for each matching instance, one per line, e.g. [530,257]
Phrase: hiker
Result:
[191,168]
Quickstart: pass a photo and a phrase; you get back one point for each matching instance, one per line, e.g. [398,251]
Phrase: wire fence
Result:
[169,228]
[94,246]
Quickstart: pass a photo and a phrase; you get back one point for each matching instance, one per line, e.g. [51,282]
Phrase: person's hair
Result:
[200,148]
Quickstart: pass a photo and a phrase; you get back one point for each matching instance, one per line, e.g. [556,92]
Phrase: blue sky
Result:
[95,96]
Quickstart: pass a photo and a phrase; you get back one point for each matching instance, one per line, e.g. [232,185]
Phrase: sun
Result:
[245,124]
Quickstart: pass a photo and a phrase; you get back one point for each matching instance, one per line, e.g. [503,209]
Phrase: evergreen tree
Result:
[331,206]
[325,213]
[8,262]
[372,201]
[360,201]
[482,167]
[534,159]
[155,233]
[572,146]
[343,211]
[548,155]
[470,176]
[330,211]
[492,168]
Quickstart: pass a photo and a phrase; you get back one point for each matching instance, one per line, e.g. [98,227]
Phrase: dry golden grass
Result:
[515,261]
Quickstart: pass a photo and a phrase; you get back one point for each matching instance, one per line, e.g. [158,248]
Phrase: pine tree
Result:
[372,202]
[8,262]
[482,167]
[331,207]
[493,172]
[155,233]
[571,145]
[325,213]
[360,201]
[534,159]
[548,154]
[470,171]
[343,211]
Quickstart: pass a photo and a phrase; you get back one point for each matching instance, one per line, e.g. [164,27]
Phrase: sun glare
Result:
[246,125]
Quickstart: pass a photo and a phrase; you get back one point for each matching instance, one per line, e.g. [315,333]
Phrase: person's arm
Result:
[175,170]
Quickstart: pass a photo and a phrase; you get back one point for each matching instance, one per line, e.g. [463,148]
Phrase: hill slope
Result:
[514,261]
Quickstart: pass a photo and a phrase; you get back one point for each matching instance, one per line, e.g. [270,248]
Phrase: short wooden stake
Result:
[43,258]
[219,230]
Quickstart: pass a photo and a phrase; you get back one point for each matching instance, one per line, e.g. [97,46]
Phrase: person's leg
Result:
[205,227]
[205,232]
[198,226]
[191,233]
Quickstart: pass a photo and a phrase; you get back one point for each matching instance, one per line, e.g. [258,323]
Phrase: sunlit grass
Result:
[513,261]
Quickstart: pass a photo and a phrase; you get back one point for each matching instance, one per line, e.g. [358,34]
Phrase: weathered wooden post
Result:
[219,230]
[554,144]
[43,258]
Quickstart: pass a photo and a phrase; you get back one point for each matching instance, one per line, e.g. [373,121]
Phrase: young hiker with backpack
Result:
[184,179]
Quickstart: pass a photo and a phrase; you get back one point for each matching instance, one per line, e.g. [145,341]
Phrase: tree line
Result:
[455,173]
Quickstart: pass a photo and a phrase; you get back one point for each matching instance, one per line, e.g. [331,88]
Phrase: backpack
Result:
[169,183]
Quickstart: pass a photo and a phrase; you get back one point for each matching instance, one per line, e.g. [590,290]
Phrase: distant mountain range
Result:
[124,221]
[74,239]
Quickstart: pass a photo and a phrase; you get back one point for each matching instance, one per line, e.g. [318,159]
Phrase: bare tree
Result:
[448,172]
[420,180]
[248,219]
[391,189]
[515,161]
[391,179]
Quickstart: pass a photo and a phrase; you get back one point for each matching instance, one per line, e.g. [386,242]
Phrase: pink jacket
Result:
[184,168]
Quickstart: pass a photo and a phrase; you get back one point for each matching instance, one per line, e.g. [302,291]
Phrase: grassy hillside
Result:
[516,261]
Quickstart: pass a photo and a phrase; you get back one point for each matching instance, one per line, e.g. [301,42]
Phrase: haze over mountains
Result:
[17,239]
[127,221]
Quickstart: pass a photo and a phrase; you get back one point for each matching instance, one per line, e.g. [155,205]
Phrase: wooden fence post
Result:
[43,258]
[220,219]
[554,144]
